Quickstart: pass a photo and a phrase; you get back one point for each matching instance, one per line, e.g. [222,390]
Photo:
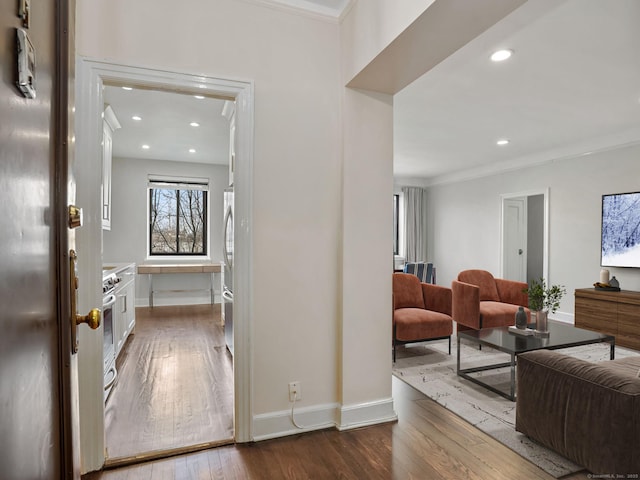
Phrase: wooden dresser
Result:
[615,313]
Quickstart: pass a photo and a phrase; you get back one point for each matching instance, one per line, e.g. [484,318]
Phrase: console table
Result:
[152,269]
[613,313]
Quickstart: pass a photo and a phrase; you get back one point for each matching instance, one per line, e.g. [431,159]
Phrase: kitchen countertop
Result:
[116,267]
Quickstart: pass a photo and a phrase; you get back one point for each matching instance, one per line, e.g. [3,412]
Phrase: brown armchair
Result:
[482,301]
[421,311]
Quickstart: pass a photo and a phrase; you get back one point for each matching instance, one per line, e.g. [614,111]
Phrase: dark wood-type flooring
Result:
[175,384]
[428,442]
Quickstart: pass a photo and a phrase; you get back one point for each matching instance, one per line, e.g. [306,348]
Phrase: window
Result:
[178,218]
[396,224]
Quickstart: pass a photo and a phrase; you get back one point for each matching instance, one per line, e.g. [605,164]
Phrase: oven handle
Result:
[113,380]
[109,301]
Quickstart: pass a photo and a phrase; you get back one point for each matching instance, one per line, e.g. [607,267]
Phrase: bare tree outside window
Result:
[177,221]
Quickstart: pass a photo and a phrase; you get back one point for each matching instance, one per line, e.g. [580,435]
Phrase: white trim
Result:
[309,9]
[319,417]
[365,414]
[563,317]
[589,147]
[91,75]
[169,298]
[279,424]
[111,119]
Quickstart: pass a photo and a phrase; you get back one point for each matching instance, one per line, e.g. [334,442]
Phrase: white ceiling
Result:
[165,126]
[571,87]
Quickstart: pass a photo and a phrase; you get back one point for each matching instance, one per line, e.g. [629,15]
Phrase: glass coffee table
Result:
[561,335]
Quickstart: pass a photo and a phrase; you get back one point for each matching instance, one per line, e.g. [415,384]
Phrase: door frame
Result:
[545,246]
[91,74]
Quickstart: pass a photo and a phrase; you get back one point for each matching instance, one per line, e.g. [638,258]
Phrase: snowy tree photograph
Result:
[621,230]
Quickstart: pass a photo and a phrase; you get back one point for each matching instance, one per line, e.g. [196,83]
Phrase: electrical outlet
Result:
[295,392]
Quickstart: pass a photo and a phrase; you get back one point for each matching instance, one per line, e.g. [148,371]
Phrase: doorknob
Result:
[520,251]
[92,318]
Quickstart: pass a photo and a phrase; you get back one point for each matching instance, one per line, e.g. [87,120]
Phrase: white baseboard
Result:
[167,299]
[562,317]
[279,424]
[319,417]
[364,414]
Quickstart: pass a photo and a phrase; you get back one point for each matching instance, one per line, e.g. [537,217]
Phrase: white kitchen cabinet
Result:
[229,112]
[125,308]
[109,125]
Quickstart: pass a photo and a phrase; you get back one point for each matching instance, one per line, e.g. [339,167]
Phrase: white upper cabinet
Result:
[229,111]
[109,125]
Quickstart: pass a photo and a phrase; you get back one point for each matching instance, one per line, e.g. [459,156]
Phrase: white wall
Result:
[322,257]
[127,239]
[294,62]
[464,218]
[371,26]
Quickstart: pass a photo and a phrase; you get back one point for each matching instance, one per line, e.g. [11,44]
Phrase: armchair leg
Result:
[449,344]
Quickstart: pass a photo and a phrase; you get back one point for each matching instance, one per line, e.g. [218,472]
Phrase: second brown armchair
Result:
[481,301]
[421,311]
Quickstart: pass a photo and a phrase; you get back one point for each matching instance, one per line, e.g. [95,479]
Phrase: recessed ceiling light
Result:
[501,55]
[194,124]
[502,141]
[137,118]
[146,147]
[199,97]
[127,88]
[192,150]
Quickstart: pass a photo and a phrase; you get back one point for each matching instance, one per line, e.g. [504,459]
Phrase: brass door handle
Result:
[92,318]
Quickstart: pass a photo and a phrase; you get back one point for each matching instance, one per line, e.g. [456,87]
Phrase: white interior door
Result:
[515,239]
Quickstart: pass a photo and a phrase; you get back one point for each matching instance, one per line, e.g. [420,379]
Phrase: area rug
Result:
[430,369]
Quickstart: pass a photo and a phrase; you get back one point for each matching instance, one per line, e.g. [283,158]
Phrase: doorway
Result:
[524,235]
[91,76]
[174,388]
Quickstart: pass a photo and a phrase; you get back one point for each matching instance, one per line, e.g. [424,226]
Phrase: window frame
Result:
[180,184]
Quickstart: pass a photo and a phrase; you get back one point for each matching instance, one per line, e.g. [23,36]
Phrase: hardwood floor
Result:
[427,442]
[175,385]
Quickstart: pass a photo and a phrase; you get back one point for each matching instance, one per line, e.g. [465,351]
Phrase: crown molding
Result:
[308,9]
[627,138]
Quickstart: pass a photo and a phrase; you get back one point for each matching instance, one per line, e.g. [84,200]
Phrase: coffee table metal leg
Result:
[465,373]
[513,377]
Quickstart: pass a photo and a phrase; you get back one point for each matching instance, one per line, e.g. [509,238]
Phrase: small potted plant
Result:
[542,300]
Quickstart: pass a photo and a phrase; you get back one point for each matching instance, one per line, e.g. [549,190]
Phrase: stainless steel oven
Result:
[109,283]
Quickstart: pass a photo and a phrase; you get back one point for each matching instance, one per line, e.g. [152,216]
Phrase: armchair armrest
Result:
[513,292]
[465,305]
[437,298]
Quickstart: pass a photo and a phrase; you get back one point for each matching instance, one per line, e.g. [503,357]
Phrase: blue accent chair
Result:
[426,272]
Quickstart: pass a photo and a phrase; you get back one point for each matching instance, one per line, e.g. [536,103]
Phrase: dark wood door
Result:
[36,368]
